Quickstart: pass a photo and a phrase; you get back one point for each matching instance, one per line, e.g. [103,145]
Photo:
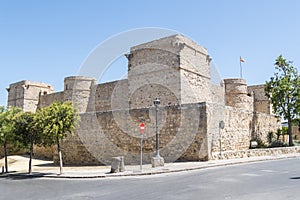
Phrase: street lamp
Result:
[221,126]
[156,102]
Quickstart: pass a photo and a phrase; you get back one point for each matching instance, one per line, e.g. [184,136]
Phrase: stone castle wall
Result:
[106,134]
[101,136]
[107,94]
[261,101]
[41,152]
[241,126]
[47,100]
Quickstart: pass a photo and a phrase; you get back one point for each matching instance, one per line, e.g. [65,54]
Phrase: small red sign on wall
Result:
[142,128]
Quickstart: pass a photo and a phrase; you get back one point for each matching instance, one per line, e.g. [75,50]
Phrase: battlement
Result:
[175,51]
[173,43]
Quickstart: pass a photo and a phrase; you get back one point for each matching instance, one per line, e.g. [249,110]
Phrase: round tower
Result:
[236,94]
[79,90]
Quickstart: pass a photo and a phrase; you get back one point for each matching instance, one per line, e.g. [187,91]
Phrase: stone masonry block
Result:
[117,164]
[157,161]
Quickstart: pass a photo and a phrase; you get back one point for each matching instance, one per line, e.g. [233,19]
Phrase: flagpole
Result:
[241,69]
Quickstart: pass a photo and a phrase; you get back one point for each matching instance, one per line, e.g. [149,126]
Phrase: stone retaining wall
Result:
[256,152]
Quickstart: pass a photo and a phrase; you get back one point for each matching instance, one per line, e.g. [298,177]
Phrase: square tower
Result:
[25,94]
[174,69]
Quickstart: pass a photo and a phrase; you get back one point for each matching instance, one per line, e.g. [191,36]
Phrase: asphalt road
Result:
[274,180]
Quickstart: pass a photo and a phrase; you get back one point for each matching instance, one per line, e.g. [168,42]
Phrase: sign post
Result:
[142,130]
[221,126]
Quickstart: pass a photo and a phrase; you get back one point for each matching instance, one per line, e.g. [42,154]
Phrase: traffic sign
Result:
[142,128]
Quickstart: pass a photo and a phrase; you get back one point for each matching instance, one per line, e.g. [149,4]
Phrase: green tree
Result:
[56,122]
[284,92]
[7,129]
[26,133]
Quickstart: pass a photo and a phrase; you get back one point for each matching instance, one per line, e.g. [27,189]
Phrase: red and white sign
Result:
[142,128]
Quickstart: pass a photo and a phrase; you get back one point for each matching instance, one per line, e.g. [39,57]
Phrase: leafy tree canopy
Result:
[56,121]
[284,92]
[283,89]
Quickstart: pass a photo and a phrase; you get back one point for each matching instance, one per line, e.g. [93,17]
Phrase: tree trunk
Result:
[5,157]
[59,157]
[290,132]
[30,157]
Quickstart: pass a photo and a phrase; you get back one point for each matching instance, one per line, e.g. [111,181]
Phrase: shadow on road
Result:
[295,178]
[23,176]
[46,165]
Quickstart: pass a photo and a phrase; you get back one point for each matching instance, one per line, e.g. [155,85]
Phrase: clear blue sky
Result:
[49,40]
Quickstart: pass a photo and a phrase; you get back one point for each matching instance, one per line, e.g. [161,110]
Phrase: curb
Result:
[236,162]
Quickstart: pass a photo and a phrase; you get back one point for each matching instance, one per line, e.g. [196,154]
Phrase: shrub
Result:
[284,130]
[278,134]
[270,137]
[295,137]
[278,143]
[260,143]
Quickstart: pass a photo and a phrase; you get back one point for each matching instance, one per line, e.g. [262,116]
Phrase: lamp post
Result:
[156,102]
[221,126]
[157,161]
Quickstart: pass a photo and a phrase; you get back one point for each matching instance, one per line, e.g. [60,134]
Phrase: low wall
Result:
[256,152]
[43,152]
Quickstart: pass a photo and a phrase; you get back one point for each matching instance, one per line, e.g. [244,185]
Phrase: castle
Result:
[177,71]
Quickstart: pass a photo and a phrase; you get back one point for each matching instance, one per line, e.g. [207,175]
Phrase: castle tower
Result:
[261,102]
[25,94]
[80,90]
[174,69]
[236,94]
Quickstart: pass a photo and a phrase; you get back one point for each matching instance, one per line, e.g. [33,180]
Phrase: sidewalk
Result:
[19,165]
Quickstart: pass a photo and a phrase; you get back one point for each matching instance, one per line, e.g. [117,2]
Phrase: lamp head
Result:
[156,101]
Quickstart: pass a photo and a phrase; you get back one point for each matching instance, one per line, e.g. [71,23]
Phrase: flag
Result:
[242,59]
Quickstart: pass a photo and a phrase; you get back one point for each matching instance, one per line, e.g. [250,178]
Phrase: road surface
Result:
[274,180]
